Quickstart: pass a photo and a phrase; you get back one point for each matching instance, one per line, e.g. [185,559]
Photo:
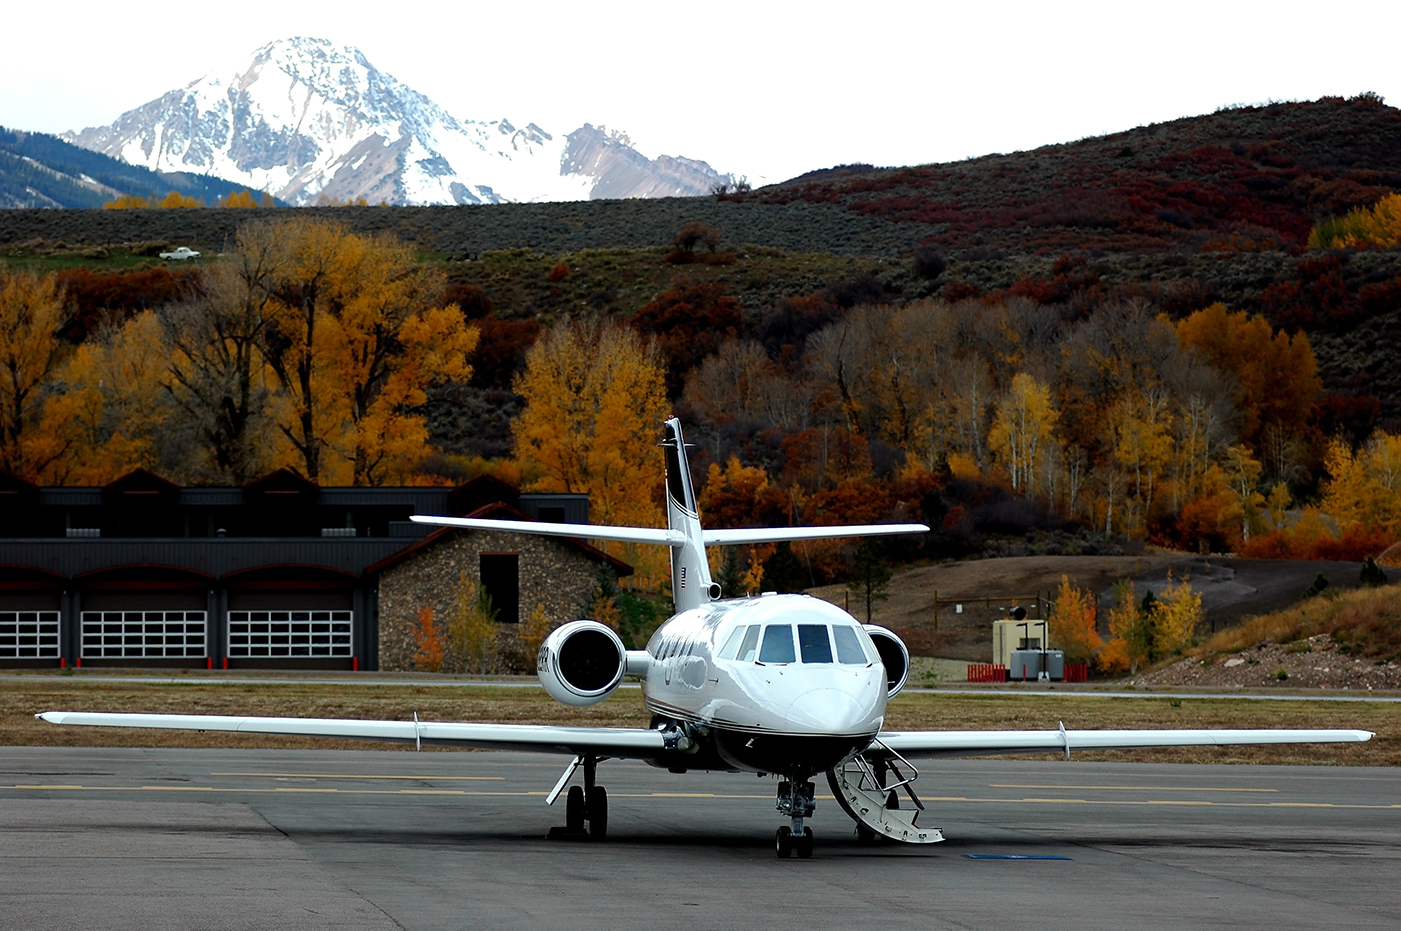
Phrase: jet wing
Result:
[616,742]
[924,744]
[781,534]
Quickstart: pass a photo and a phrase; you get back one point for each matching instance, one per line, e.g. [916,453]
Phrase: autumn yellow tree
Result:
[239,199]
[1023,429]
[1074,623]
[31,315]
[127,202]
[1242,473]
[354,338]
[1364,488]
[175,200]
[1174,617]
[473,628]
[594,403]
[108,406]
[1378,225]
[384,346]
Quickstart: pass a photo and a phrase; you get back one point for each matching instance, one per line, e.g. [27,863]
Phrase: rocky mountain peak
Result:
[312,121]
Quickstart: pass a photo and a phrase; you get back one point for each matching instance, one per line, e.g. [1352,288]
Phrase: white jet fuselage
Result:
[777,683]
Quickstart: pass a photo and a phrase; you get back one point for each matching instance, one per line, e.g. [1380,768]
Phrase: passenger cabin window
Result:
[778,644]
[814,643]
[750,645]
[849,649]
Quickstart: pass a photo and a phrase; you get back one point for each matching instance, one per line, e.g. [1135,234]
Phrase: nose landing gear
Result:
[795,799]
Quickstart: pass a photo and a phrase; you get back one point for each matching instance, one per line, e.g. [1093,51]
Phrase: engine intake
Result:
[893,655]
[581,663]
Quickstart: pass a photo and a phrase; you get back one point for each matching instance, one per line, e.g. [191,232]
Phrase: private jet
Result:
[783,685]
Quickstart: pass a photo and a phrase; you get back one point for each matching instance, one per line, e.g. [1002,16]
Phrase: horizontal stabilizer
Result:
[578,531]
[989,743]
[782,534]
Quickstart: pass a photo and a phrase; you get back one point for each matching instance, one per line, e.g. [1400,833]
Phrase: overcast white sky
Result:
[758,88]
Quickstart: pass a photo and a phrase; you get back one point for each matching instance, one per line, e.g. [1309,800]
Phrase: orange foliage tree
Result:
[1276,374]
[1074,623]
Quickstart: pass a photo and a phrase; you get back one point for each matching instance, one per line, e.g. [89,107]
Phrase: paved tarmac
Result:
[373,839]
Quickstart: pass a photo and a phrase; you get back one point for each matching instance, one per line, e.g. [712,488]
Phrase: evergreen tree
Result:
[870,573]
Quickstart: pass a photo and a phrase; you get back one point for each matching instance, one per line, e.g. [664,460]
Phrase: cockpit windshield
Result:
[815,644]
[849,651]
[778,644]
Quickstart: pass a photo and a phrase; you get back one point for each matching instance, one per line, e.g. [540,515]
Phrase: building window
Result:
[142,633]
[28,634]
[290,633]
[501,580]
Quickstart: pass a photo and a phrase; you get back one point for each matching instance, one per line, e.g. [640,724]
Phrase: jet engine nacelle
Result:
[893,655]
[581,663]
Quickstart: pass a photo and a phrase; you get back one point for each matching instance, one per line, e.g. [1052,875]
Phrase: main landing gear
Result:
[795,799]
[584,805]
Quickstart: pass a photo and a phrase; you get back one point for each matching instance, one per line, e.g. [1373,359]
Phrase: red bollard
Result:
[78,663]
[355,664]
[63,662]
[226,662]
[209,662]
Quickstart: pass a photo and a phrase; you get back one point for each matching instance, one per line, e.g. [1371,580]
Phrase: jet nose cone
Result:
[831,711]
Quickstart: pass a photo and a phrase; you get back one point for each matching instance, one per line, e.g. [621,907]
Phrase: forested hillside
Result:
[39,170]
[1078,348]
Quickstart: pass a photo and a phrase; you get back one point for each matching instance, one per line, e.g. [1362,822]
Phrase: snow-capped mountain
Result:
[307,120]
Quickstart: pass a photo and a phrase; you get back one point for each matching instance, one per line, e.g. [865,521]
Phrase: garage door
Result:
[143,633]
[290,633]
[28,634]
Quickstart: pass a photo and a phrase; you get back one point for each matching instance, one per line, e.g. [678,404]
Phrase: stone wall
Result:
[552,573]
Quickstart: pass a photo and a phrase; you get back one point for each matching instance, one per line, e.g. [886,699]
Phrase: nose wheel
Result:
[795,799]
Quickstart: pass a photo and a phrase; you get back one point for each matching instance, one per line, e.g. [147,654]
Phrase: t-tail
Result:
[691,584]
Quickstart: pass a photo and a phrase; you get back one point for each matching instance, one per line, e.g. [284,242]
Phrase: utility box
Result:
[1032,664]
[1009,635]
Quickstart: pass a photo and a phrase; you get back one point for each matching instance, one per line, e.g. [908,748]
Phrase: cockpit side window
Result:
[849,649]
[732,644]
[778,644]
[750,645]
[814,643]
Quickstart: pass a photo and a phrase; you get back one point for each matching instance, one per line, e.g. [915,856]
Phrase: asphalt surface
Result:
[373,839]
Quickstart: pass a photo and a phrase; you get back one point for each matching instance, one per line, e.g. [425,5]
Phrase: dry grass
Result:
[19,701]
[1367,620]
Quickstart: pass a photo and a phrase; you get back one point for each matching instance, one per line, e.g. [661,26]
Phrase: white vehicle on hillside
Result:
[184,252]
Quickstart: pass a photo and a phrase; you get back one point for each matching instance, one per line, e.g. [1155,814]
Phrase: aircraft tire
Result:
[574,809]
[802,846]
[783,842]
[597,804]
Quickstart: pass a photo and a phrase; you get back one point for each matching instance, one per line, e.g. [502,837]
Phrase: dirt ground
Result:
[988,588]
[1315,663]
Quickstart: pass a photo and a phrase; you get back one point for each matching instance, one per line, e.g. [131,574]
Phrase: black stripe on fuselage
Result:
[767,751]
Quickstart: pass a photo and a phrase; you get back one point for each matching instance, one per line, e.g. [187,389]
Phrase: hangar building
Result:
[280,573]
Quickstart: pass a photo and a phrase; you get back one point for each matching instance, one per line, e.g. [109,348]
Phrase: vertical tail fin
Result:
[691,585]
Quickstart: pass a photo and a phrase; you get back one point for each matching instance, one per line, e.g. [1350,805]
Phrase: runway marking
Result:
[1013,785]
[231,790]
[351,776]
